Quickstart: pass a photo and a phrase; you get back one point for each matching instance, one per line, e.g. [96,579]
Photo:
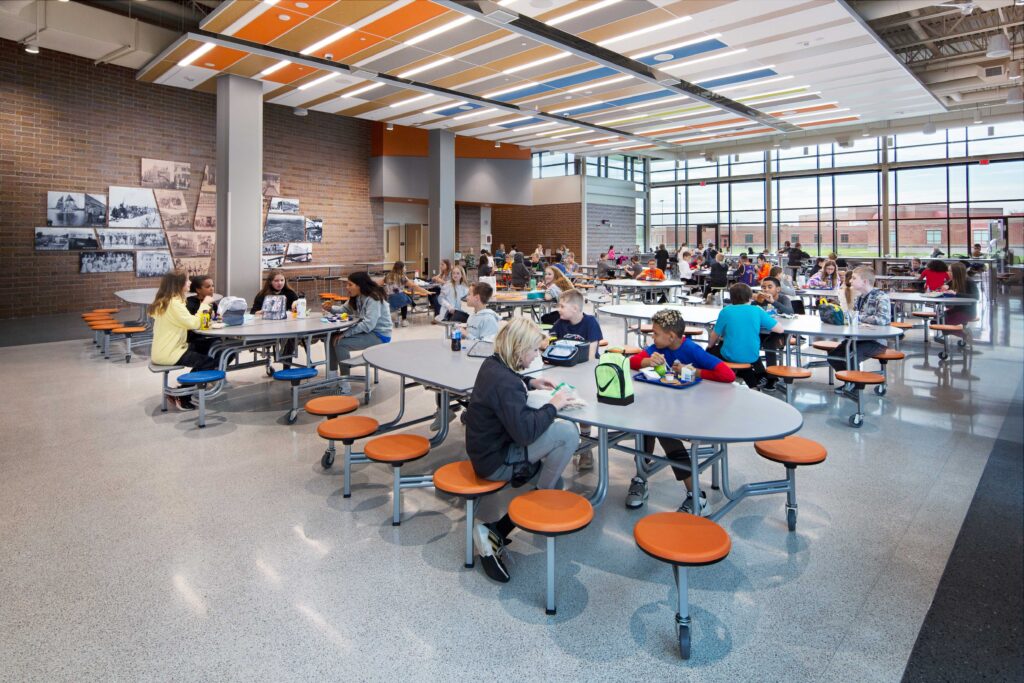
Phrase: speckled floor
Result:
[137,547]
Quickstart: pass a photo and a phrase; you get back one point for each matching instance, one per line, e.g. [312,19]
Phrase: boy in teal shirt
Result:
[739,328]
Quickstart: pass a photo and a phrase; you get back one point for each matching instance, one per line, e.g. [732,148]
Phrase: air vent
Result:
[994,71]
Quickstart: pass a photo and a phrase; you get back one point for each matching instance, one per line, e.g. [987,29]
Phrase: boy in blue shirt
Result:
[575,325]
[739,328]
[673,349]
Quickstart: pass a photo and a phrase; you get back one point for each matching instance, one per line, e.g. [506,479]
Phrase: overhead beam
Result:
[520,24]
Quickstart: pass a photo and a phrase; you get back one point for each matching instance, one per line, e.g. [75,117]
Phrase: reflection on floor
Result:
[139,547]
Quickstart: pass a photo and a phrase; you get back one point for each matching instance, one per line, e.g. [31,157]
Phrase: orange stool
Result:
[641,331]
[346,430]
[396,450]
[927,316]
[948,330]
[826,345]
[788,374]
[694,331]
[883,359]
[683,541]
[602,344]
[859,379]
[106,328]
[550,513]
[792,451]
[902,326]
[459,479]
[127,332]
[105,310]
[331,407]
[736,367]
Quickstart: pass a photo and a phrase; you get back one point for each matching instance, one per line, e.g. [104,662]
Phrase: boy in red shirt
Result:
[673,349]
[652,272]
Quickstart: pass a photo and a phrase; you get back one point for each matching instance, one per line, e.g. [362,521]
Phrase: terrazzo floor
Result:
[136,547]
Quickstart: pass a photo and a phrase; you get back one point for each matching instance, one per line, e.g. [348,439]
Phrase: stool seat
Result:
[792,450]
[330,295]
[903,325]
[603,343]
[644,329]
[397,448]
[693,331]
[332,405]
[106,326]
[923,314]
[859,377]
[825,345]
[788,372]
[128,330]
[737,366]
[104,310]
[346,428]
[295,374]
[460,479]
[201,377]
[550,512]
[94,316]
[890,354]
[680,538]
[939,327]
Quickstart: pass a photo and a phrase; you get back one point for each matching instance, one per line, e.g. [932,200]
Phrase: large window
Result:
[551,164]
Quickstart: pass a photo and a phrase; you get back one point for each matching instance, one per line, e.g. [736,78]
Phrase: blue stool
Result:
[199,380]
[295,376]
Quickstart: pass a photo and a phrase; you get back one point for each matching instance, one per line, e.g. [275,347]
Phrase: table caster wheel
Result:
[791,519]
[943,355]
[292,416]
[270,371]
[684,641]
[856,420]
[327,460]
[127,359]
[961,344]
[880,390]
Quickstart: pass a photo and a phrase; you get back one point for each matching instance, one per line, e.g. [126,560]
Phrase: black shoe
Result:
[769,385]
[494,568]
[185,403]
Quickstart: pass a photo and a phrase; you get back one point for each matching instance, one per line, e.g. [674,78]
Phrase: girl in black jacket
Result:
[521,274]
[507,440]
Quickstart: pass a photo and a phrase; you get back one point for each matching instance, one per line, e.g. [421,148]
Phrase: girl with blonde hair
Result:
[171,324]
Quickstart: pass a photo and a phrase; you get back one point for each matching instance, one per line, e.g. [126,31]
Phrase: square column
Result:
[441,195]
[239,185]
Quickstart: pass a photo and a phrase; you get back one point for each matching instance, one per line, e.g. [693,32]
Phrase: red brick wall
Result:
[68,125]
[551,225]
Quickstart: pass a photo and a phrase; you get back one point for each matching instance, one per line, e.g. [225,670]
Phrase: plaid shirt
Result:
[874,308]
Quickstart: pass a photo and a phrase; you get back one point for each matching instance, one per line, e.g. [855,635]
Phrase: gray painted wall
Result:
[490,181]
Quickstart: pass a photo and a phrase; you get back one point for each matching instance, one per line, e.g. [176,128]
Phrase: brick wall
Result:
[467,229]
[68,125]
[551,225]
[620,230]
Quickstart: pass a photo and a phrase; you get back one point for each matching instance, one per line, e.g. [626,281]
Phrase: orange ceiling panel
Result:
[290,73]
[843,119]
[405,141]
[475,148]
[269,25]
[404,18]
[219,58]
[349,45]
[312,7]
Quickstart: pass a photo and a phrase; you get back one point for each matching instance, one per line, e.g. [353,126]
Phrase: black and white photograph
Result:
[65,208]
[272,262]
[271,184]
[115,238]
[314,229]
[284,205]
[299,252]
[153,263]
[193,266]
[209,179]
[206,212]
[273,249]
[166,175]
[63,239]
[189,244]
[173,210]
[282,227]
[133,207]
[106,262]
[95,210]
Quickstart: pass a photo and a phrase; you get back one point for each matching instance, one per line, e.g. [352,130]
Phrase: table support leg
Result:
[598,496]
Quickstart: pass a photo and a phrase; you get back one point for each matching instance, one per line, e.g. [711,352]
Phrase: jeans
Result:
[342,349]
[555,447]
[751,376]
[864,350]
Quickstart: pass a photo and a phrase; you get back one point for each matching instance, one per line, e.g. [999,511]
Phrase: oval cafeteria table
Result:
[938,302]
[711,414]
[667,286]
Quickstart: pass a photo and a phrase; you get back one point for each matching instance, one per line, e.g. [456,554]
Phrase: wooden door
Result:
[392,242]
[415,249]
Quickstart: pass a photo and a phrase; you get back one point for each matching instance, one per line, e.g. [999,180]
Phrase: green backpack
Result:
[830,313]
[614,381]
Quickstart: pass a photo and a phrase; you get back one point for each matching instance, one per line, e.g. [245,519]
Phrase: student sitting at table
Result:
[718,275]
[171,324]
[633,268]
[683,266]
[785,281]
[274,285]
[826,278]
[745,272]
[483,322]
[936,276]
[484,268]
[538,254]
[605,267]
[672,349]
[521,273]
[651,272]
[201,287]
[737,334]
[452,294]
[762,267]
[818,263]
[368,301]
[962,285]
[569,265]
[871,307]
[499,256]
[771,298]
[557,258]
[554,285]
[436,283]
[396,285]
[507,440]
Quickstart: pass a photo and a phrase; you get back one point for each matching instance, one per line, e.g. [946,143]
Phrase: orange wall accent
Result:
[413,142]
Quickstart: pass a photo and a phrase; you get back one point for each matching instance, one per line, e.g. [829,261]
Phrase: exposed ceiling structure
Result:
[585,76]
[968,52]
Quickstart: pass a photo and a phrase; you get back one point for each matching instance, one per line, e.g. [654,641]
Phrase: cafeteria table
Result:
[667,286]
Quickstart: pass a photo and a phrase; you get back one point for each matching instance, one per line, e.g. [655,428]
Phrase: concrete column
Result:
[441,195]
[239,185]
[884,246]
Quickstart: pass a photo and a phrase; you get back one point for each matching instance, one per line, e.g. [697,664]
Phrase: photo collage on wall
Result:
[288,236]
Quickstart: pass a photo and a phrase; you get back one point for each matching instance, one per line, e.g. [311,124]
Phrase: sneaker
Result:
[687,505]
[585,462]
[403,323]
[489,546]
[346,388]
[494,568]
[185,403]
[842,388]
[637,494]
[770,385]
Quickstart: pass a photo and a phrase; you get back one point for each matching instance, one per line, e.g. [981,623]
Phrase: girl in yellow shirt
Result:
[171,323]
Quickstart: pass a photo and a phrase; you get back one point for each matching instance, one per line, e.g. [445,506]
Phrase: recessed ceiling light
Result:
[32,48]
[337,35]
[465,107]
[209,64]
[663,57]
[196,54]
[302,5]
[593,7]
[283,17]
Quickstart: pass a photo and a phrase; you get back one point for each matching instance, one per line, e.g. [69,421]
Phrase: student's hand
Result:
[657,359]
[677,366]
[541,383]
[561,398]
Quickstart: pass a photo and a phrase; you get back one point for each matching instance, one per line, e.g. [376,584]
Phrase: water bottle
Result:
[533,283]
[457,340]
